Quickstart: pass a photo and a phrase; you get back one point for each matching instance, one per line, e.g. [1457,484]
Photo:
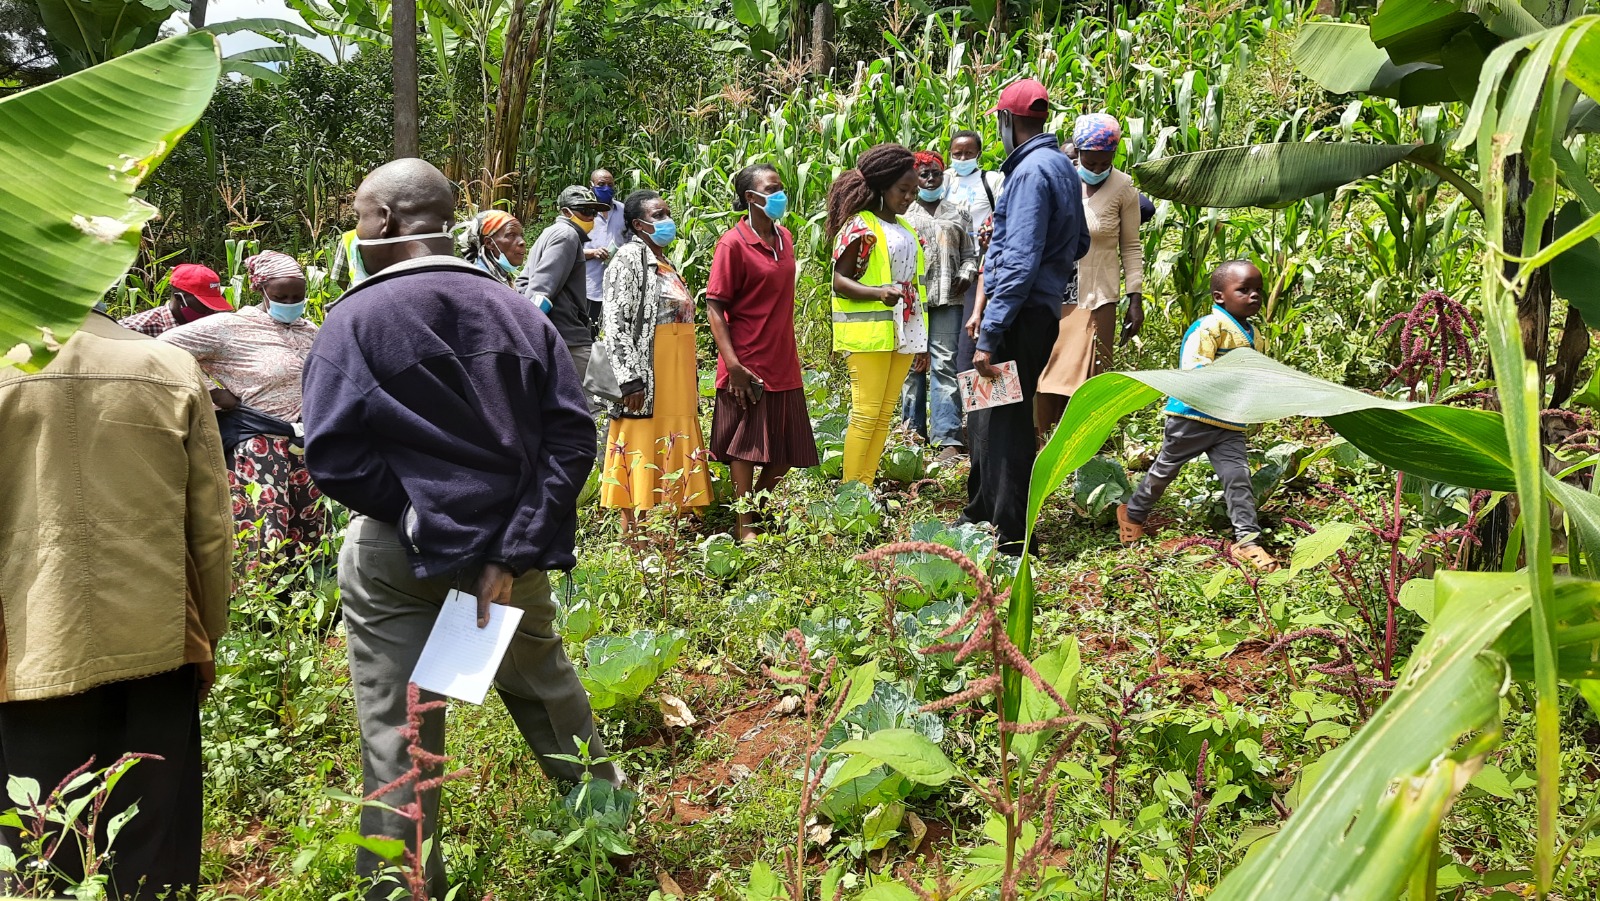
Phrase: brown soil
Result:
[249,860]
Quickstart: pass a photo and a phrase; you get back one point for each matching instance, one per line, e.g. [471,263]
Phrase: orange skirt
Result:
[1082,350]
[662,459]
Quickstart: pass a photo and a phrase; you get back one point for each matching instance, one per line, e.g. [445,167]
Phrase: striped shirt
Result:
[1209,338]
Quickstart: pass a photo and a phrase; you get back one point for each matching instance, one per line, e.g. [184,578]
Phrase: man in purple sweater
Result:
[443,408]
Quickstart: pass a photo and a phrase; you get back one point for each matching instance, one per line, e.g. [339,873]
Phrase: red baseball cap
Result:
[203,283]
[1026,98]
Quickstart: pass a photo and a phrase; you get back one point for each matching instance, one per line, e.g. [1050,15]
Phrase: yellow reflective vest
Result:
[868,325]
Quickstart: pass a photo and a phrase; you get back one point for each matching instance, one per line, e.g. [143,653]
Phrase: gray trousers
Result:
[1186,439]
[388,613]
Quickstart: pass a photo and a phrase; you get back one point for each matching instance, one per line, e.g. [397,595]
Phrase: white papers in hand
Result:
[460,659]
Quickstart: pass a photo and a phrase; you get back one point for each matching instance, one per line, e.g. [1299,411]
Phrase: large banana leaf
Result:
[1341,58]
[1266,175]
[1418,30]
[72,152]
[1451,445]
[86,32]
[1575,274]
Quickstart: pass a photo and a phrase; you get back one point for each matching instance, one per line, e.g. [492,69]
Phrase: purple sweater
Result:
[440,400]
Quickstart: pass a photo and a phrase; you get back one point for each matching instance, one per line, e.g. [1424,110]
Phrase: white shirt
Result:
[911,335]
[607,234]
[967,192]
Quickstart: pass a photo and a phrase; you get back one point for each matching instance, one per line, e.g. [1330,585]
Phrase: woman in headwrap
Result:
[880,316]
[496,244]
[255,357]
[1113,267]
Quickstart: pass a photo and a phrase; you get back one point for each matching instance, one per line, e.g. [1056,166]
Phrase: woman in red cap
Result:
[196,294]
[256,357]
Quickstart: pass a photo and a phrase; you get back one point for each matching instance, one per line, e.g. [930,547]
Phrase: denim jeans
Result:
[944,333]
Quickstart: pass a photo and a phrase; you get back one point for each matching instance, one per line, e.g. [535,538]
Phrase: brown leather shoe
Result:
[1255,555]
[1128,531]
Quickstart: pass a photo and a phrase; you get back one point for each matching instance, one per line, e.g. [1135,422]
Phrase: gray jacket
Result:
[555,270]
[632,296]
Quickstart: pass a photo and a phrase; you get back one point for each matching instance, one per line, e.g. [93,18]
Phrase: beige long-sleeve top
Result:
[1115,255]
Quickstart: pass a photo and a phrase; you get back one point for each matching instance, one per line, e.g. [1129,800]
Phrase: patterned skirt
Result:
[272,486]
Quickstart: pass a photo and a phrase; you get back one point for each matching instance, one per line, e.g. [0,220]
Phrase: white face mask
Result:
[361,260]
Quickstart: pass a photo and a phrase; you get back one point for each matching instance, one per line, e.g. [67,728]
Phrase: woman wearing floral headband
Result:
[255,358]
[1113,267]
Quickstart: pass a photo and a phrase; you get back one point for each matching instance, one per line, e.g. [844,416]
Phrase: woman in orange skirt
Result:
[655,452]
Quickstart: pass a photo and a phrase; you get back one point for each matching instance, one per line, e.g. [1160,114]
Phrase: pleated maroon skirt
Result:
[776,430]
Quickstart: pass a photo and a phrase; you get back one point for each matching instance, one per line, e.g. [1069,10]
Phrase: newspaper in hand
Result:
[979,393]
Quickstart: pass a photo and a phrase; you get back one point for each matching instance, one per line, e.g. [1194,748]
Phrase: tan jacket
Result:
[1115,254]
[116,527]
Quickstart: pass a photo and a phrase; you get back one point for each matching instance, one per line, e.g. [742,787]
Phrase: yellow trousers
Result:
[875,382]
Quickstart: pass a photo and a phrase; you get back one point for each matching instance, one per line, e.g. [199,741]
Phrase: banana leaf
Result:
[1417,30]
[1266,175]
[72,153]
[1341,58]
[1575,274]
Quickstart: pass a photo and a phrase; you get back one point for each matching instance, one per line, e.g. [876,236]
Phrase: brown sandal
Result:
[1255,555]
[1128,530]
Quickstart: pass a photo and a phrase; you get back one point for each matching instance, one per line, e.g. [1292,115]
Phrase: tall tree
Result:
[404,31]
[525,45]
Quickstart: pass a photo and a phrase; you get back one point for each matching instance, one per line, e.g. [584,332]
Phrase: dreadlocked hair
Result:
[856,189]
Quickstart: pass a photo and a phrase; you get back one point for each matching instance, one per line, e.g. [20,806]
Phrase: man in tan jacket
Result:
[115,551]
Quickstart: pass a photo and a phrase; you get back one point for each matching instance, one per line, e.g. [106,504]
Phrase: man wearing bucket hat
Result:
[555,271]
[1039,235]
[196,294]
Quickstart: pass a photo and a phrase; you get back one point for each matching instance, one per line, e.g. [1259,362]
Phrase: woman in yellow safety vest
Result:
[880,316]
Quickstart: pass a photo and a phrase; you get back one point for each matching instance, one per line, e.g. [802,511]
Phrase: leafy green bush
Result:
[855,510]
[618,669]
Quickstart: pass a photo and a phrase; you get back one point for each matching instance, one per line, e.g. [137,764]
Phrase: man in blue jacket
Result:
[443,408]
[1039,235]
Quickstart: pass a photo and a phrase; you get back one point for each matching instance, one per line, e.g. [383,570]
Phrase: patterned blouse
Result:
[152,322]
[251,354]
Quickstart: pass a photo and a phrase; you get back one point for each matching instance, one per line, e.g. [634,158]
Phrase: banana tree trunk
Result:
[197,13]
[405,78]
[822,29]
[525,46]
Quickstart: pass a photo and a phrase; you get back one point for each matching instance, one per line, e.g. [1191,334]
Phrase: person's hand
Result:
[980,362]
[597,253]
[919,363]
[974,322]
[891,294]
[960,284]
[1133,321]
[634,402]
[206,676]
[494,587]
[224,399]
[739,380]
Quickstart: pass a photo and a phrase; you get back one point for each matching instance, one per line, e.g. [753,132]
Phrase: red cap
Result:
[203,283]
[1026,98]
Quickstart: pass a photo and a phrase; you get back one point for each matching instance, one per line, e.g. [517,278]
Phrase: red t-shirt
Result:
[755,283]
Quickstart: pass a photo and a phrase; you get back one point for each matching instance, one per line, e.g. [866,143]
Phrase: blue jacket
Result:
[440,400]
[1039,236]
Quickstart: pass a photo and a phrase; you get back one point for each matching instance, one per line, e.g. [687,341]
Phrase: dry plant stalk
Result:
[422,760]
[794,859]
[1015,798]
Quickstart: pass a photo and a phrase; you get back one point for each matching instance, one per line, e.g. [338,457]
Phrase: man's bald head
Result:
[405,197]
[601,177]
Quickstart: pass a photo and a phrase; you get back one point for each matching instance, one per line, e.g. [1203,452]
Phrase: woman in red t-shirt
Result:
[761,417]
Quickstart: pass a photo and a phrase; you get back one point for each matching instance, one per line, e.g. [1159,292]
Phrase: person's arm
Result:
[623,296]
[550,263]
[1009,280]
[1200,347]
[1132,264]
[721,288]
[847,268]
[980,300]
[341,454]
[208,515]
[558,433]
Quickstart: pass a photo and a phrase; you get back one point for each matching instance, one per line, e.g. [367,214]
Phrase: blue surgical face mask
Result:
[604,193]
[1093,178]
[664,233]
[774,204]
[964,167]
[931,195]
[285,313]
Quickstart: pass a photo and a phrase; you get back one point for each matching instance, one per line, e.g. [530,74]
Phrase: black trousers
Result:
[1002,441]
[160,846]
